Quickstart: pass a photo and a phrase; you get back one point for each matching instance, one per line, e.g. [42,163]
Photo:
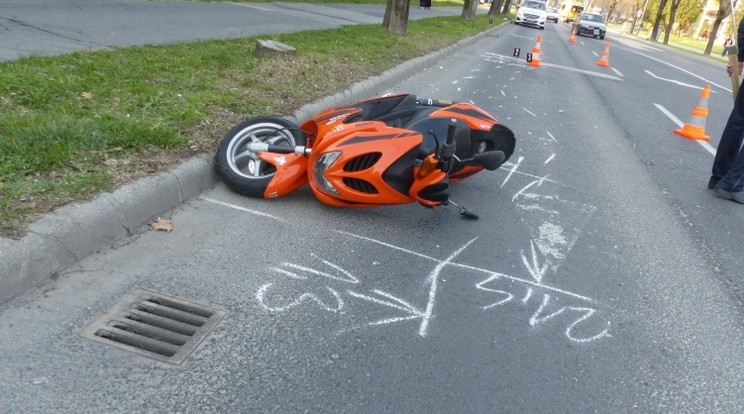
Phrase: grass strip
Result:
[76,125]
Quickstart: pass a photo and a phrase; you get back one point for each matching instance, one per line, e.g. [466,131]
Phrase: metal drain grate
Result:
[154,325]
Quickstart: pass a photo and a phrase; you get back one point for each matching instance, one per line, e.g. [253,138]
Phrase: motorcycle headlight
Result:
[321,165]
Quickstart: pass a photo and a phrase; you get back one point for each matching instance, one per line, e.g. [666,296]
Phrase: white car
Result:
[553,14]
[532,13]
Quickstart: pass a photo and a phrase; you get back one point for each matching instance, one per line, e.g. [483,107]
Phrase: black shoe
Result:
[737,196]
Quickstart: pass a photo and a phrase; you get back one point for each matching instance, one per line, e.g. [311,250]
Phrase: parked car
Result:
[590,24]
[532,13]
[553,14]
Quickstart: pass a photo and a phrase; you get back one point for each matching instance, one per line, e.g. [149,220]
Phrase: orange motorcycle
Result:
[393,149]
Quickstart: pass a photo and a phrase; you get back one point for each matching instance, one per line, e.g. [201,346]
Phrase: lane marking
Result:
[675,81]
[681,69]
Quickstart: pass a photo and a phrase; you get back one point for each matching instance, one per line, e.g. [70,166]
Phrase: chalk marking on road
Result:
[536,271]
[247,210]
[539,182]
[349,277]
[536,318]
[679,123]
[676,82]
[589,312]
[494,275]
[261,295]
[515,61]
[618,72]
[585,72]
[401,305]
[526,110]
[549,159]
[434,278]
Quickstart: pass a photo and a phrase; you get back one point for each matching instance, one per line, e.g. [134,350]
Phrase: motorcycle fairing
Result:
[375,167]
[291,173]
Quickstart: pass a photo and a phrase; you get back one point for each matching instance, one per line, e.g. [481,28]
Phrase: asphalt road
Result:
[49,27]
[601,277]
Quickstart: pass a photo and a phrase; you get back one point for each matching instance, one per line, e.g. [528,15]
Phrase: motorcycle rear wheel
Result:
[243,171]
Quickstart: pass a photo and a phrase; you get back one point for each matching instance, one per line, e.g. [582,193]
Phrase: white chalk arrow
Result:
[536,271]
[393,302]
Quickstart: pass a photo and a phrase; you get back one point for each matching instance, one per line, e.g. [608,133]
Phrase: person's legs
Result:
[728,150]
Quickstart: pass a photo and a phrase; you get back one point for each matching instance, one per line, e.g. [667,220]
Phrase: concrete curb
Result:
[61,239]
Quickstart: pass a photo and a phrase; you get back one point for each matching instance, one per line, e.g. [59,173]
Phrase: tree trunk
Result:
[507,7]
[712,35]
[468,9]
[659,15]
[396,16]
[495,8]
[672,14]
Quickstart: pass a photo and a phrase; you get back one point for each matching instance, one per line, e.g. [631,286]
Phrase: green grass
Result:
[73,126]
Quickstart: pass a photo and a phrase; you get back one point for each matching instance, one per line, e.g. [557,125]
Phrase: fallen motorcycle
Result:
[393,149]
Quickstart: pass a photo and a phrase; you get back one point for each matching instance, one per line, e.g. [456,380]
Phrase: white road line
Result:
[680,69]
[680,124]
[674,81]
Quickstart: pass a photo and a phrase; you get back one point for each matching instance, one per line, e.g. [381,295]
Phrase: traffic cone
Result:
[695,127]
[535,61]
[572,37]
[604,59]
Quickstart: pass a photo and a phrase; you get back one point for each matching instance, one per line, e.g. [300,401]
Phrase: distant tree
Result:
[396,16]
[673,6]
[468,9]
[660,15]
[496,6]
[612,8]
[724,10]
[689,12]
[507,7]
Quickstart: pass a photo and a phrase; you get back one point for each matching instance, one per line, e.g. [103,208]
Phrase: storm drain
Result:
[154,325]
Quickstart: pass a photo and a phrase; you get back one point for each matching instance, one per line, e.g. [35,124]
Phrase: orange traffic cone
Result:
[535,60]
[572,37]
[695,127]
[604,59]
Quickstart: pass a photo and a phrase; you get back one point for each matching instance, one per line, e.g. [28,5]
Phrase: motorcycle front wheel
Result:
[244,171]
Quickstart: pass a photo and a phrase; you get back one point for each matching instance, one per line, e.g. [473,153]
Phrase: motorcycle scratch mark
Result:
[551,136]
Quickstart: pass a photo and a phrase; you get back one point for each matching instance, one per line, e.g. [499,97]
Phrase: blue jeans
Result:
[728,166]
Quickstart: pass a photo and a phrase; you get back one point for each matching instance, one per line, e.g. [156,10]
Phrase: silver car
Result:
[590,24]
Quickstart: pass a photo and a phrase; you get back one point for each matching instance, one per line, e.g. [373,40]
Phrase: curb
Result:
[66,236]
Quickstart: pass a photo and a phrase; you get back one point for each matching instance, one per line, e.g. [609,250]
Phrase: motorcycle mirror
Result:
[490,160]
[469,214]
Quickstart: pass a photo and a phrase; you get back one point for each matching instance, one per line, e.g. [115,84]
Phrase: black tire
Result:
[243,171]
